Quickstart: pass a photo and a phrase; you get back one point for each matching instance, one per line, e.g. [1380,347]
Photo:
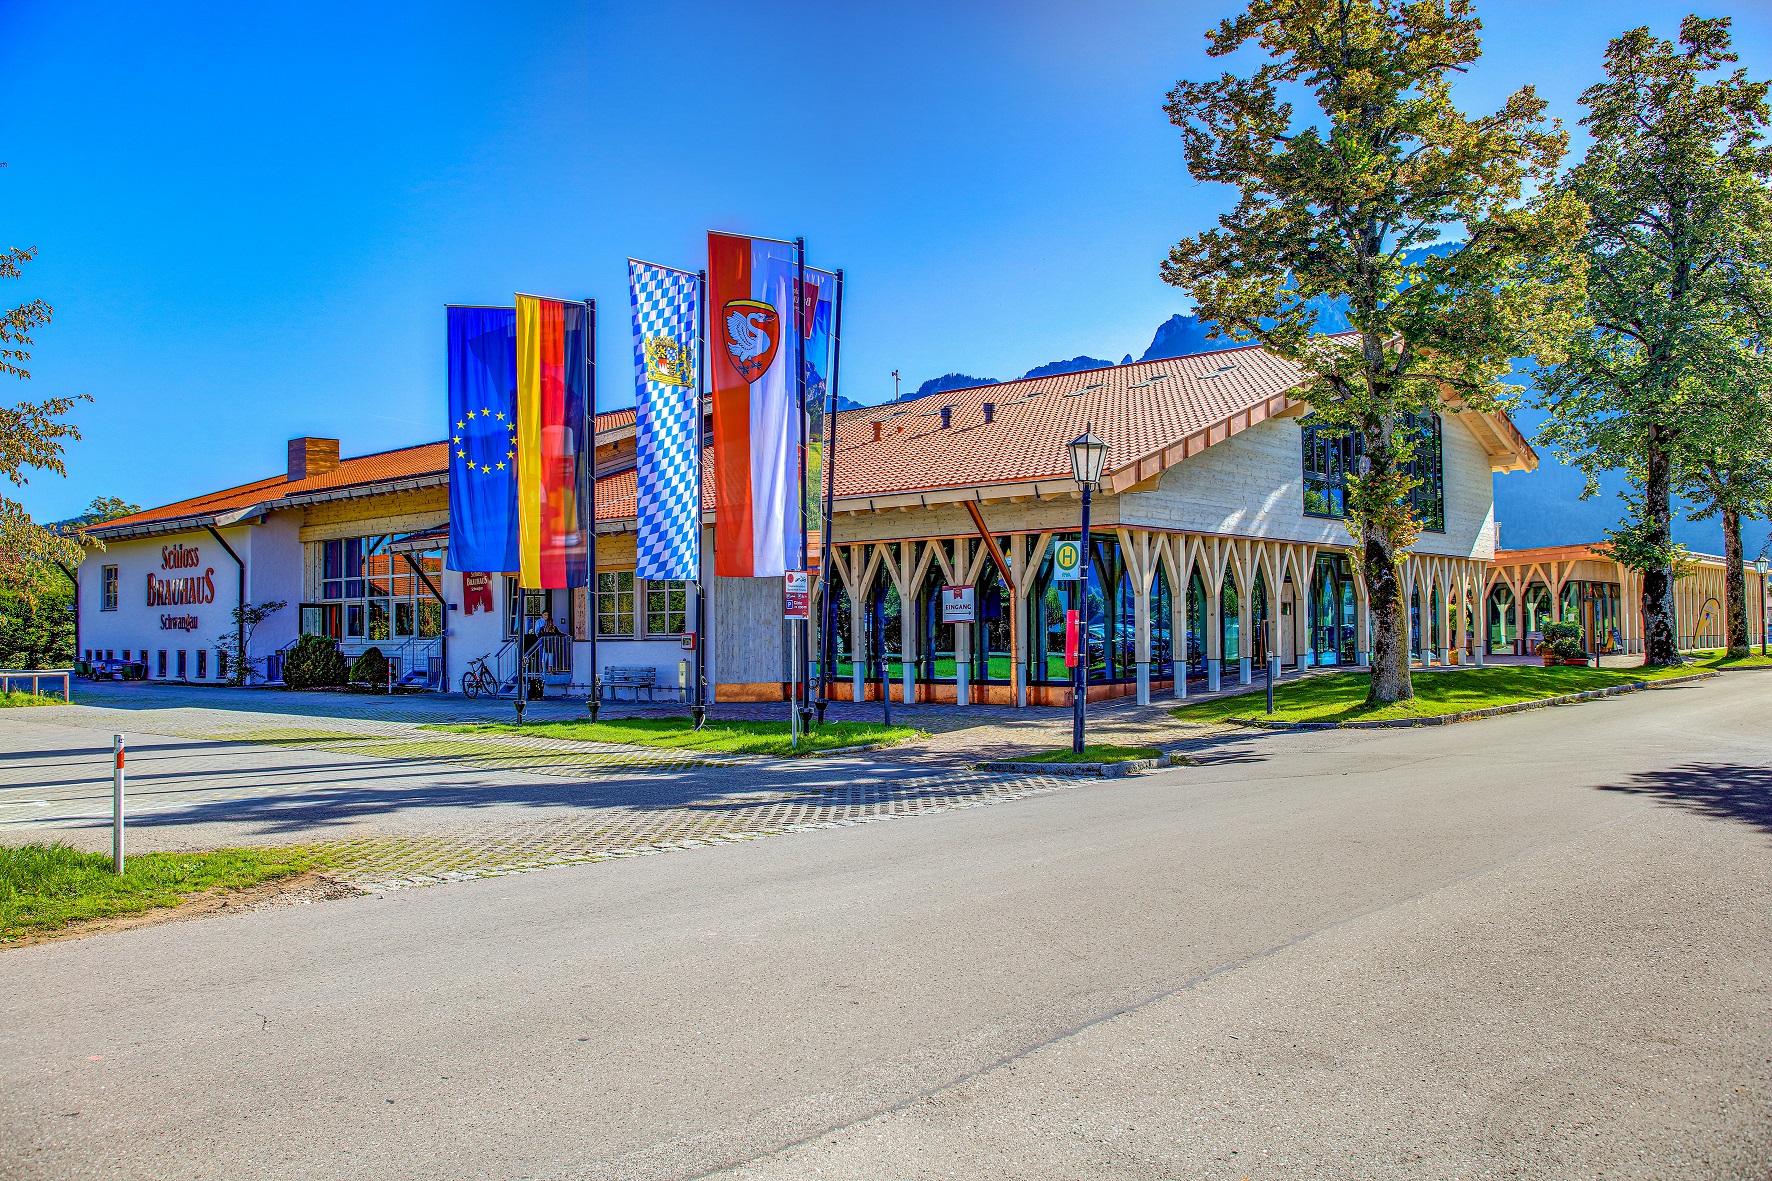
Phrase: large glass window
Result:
[369,591]
[1332,453]
[615,603]
[110,603]
[667,607]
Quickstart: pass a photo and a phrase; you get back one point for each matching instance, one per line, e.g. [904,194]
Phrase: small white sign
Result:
[799,595]
[958,604]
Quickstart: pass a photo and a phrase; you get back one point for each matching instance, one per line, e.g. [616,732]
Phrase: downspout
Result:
[441,602]
[63,567]
[240,618]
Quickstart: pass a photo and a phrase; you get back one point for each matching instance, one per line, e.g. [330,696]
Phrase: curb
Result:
[1473,714]
[849,750]
[1103,770]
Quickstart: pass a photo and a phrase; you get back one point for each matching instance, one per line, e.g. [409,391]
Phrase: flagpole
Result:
[827,551]
[700,710]
[590,478]
[802,628]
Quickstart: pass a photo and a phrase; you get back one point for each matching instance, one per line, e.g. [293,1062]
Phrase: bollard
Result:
[117,805]
[1272,662]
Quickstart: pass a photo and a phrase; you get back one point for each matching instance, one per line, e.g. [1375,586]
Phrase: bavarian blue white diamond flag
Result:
[667,459]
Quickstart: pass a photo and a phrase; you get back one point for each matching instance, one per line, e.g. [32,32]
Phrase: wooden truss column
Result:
[1025,556]
[1141,557]
[1178,552]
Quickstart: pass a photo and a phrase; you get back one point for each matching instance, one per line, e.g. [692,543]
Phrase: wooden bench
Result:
[635,677]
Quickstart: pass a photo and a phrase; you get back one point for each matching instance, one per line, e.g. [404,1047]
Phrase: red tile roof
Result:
[425,460]
[1136,409]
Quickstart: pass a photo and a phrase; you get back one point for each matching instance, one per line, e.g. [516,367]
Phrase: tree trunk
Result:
[1390,625]
[1735,580]
[1661,645]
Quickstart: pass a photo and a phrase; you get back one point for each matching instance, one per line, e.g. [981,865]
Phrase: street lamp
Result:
[1762,565]
[1088,453]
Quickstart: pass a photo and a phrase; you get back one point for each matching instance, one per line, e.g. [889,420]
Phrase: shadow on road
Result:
[1726,791]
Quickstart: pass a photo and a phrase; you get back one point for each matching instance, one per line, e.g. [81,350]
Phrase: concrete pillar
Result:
[907,638]
[962,663]
[1141,621]
[858,647]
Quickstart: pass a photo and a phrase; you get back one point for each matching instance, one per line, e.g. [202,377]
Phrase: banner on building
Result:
[756,411]
[482,439]
[667,422]
[818,316]
[553,451]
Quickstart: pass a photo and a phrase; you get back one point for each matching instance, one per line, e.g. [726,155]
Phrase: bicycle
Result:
[479,679]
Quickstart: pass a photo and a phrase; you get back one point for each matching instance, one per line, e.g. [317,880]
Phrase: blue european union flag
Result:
[483,439]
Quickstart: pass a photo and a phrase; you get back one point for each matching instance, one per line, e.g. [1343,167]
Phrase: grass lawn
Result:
[1341,697]
[44,887]
[19,697]
[749,738]
[1718,658]
[1105,753]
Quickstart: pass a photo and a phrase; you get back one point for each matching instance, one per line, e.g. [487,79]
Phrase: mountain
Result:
[1074,365]
[951,381]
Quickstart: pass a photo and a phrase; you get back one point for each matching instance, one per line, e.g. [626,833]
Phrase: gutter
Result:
[240,615]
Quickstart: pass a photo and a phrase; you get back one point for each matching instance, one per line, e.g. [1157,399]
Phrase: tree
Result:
[1344,206]
[1678,242]
[1726,471]
[236,644]
[31,437]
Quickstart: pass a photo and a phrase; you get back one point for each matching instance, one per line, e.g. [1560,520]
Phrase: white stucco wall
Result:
[1252,485]
[135,626]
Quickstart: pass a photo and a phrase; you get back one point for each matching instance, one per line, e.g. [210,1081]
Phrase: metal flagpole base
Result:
[596,696]
[821,711]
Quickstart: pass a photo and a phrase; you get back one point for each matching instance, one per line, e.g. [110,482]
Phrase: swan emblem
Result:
[751,336]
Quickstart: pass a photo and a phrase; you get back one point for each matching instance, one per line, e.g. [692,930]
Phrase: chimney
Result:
[947,417]
[877,432]
[312,457]
[990,412]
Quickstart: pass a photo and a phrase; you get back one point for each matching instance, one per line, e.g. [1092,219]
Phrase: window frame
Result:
[665,587]
[1329,453]
[614,612]
[108,594]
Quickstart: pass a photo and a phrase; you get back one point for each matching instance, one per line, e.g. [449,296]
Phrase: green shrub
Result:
[1563,640]
[314,662]
[371,668]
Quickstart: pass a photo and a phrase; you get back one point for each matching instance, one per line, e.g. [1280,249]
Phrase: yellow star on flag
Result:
[461,426]
[501,467]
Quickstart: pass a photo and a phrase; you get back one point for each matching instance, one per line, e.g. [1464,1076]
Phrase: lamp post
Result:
[1762,566]
[1087,455]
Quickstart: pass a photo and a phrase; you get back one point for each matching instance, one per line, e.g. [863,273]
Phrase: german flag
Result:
[554,400]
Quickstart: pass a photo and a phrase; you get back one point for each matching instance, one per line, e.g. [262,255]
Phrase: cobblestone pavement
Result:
[393,804]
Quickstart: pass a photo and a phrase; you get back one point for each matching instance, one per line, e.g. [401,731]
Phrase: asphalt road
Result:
[1534,946]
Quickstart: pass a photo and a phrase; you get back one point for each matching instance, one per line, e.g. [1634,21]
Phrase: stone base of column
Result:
[1364,658]
[857,685]
[1245,671]
[1180,679]
[1144,682]
[1477,656]
[1212,675]
[962,687]
[910,687]
[1445,657]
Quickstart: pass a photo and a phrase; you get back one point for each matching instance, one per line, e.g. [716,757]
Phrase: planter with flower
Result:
[1562,644]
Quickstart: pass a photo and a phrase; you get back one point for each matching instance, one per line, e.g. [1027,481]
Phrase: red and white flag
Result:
[756,412]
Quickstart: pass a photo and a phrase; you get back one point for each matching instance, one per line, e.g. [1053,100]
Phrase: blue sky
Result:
[251,216]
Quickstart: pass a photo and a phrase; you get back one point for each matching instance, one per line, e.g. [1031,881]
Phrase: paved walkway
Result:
[397,804]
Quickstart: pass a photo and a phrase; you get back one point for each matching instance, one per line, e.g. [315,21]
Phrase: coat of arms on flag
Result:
[752,333]
[668,361]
